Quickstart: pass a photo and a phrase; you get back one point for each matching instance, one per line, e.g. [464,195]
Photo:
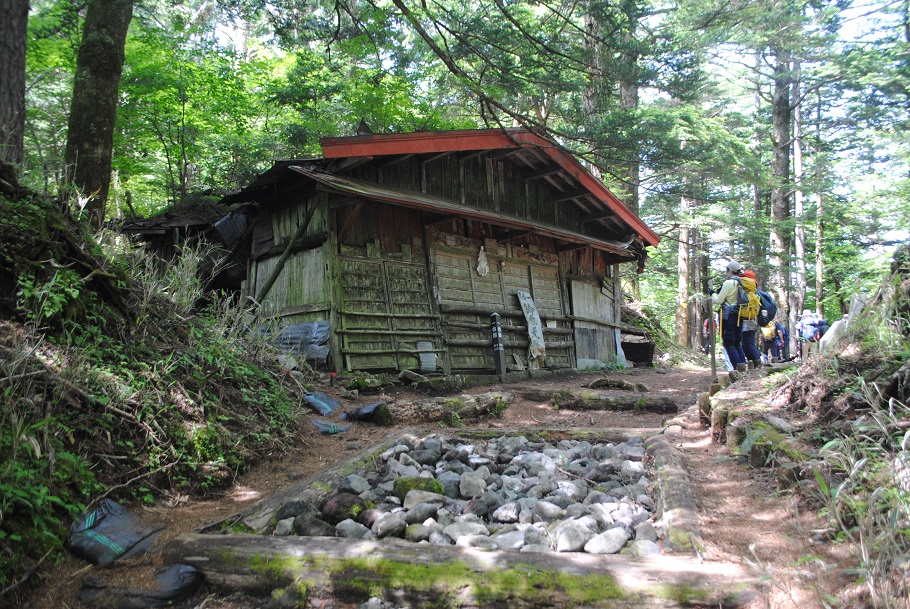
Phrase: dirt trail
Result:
[738,507]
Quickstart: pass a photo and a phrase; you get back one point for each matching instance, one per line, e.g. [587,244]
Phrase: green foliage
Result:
[51,301]
[855,483]
[499,406]
[180,398]
[42,481]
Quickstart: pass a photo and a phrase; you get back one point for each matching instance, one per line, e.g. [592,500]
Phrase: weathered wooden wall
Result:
[467,299]
[382,290]
[485,180]
[302,291]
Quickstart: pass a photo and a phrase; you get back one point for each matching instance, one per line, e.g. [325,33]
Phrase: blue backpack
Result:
[768,309]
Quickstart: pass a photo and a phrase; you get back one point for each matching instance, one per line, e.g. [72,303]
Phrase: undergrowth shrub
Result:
[862,475]
[182,396]
[43,482]
[863,482]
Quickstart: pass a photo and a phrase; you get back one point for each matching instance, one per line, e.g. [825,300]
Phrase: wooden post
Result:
[499,353]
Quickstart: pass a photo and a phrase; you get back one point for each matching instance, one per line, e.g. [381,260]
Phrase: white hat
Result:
[806,313]
[734,266]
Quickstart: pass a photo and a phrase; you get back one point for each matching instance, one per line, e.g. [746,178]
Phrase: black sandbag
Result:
[109,532]
[320,402]
[175,583]
[374,412]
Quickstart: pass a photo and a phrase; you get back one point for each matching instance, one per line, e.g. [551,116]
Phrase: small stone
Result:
[548,511]
[354,484]
[416,497]
[507,513]
[307,525]
[389,525]
[421,512]
[512,540]
[460,529]
[284,527]
[471,486]
[352,529]
[572,537]
[608,542]
[476,541]
[640,548]
[645,532]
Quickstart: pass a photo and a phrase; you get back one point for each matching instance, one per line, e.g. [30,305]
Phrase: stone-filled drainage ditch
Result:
[526,518]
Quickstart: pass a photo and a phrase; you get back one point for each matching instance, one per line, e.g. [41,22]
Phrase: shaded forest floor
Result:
[743,518]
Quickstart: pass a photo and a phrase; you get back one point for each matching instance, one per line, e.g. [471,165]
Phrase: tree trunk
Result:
[90,136]
[683,275]
[758,209]
[819,215]
[780,174]
[695,308]
[799,244]
[13,37]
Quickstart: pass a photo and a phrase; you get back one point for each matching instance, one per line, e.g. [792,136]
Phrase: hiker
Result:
[783,345]
[706,335]
[808,331]
[730,328]
[750,327]
[773,342]
[769,351]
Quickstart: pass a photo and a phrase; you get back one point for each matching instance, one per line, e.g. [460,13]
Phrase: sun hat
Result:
[806,313]
[734,266]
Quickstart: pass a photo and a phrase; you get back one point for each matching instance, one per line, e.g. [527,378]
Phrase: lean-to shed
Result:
[394,250]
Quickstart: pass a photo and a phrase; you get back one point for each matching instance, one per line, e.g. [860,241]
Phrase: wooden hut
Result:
[391,252]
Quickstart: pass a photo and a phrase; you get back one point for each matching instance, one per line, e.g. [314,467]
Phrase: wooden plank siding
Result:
[467,299]
[483,181]
[384,312]
[383,304]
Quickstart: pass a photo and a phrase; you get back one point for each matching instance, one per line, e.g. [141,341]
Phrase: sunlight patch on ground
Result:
[702,443]
[241,494]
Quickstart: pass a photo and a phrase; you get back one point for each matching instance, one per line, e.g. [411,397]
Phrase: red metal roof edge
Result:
[416,142]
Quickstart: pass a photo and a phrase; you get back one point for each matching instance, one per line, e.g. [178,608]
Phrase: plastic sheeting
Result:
[175,583]
[366,413]
[483,268]
[308,340]
[327,427]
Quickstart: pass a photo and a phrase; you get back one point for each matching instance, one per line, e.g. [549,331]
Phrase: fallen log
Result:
[610,400]
[350,570]
[620,384]
[457,409]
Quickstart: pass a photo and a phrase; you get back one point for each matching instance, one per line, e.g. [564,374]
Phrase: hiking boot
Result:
[741,367]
